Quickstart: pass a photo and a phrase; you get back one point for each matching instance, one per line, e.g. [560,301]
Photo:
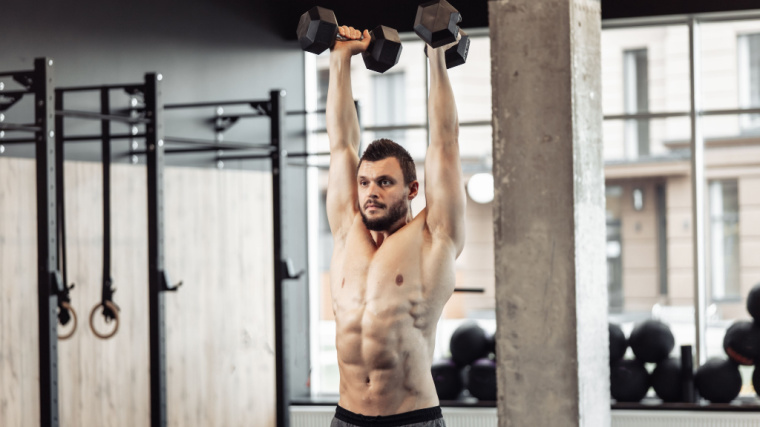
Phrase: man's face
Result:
[383,197]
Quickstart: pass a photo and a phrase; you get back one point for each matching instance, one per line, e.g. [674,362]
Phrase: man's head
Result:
[387,182]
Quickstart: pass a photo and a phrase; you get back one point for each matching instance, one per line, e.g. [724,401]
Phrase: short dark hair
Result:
[384,148]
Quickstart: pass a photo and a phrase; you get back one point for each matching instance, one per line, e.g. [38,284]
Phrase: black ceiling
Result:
[399,14]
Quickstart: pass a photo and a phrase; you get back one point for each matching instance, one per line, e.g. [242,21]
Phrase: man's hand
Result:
[354,42]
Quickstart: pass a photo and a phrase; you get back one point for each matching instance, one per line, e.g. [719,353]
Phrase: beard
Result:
[395,213]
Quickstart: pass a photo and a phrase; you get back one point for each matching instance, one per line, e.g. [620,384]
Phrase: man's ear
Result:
[414,188]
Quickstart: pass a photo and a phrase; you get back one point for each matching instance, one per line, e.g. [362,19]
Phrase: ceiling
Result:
[399,14]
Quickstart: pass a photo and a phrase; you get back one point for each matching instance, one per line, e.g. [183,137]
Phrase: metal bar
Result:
[281,372]
[11,141]
[648,21]
[19,127]
[77,138]
[99,116]
[129,86]
[47,244]
[470,290]
[730,112]
[698,193]
[305,112]
[16,73]
[196,150]
[474,123]
[14,93]
[245,157]
[305,154]
[647,115]
[228,144]
[253,103]
[60,186]
[157,327]
[105,130]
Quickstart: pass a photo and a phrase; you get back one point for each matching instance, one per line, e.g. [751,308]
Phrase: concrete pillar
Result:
[551,294]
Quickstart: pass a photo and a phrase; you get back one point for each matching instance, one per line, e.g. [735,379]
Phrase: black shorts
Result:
[427,417]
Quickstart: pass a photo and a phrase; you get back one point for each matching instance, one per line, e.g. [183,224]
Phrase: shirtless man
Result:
[390,273]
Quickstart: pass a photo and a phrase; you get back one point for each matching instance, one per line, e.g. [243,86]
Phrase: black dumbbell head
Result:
[753,302]
[447,378]
[468,343]
[457,55]
[742,342]
[317,30]
[437,22]
[718,380]
[651,341]
[629,380]
[618,343]
[384,49]
[666,380]
[481,381]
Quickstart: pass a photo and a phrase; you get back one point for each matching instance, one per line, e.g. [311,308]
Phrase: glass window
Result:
[724,239]
[636,98]
[749,79]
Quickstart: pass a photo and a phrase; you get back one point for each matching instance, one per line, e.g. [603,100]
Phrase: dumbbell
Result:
[318,30]
[437,23]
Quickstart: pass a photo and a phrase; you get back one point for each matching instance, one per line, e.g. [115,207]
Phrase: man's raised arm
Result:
[343,132]
[444,188]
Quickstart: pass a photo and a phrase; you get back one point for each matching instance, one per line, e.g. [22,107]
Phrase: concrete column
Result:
[551,294]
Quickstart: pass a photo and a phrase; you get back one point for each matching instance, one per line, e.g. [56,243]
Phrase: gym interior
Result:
[165,252]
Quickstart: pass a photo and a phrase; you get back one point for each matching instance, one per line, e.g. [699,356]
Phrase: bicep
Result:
[341,189]
[444,192]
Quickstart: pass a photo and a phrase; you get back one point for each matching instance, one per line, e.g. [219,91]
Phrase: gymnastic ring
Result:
[115,310]
[71,310]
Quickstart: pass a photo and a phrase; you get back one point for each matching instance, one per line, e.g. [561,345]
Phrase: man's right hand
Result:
[354,43]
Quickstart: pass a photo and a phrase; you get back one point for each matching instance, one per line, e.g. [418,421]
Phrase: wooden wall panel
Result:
[19,342]
[219,324]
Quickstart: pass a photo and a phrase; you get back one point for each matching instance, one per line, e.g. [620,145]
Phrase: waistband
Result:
[395,420]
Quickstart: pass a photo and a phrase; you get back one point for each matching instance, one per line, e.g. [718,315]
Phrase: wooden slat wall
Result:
[219,324]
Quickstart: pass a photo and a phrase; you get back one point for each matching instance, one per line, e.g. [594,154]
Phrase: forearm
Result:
[442,110]
[342,122]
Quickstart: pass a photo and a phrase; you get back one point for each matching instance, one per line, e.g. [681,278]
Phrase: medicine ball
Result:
[468,343]
[666,380]
[742,342]
[651,341]
[629,380]
[718,380]
[447,379]
[756,380]
[618,343]
[481,380]
[753,302]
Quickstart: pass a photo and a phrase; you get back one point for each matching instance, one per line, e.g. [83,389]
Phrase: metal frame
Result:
[47,244]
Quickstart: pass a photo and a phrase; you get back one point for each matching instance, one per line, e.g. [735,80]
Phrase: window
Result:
[724,239]
[389,102]
[636,98]
[614,249]
[749,80]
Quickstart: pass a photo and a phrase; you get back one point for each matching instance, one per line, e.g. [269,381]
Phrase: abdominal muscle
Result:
[384,366]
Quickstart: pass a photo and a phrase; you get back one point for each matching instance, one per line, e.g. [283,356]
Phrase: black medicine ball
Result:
[718,380]
[629,380]
[618,343]
[756,380]
[753,302]
[481,380]
[651,341]
[447,378]
[468,343]
[742,342]
[666,380]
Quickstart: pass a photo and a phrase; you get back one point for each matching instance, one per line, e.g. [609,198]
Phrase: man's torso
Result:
[387,301]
